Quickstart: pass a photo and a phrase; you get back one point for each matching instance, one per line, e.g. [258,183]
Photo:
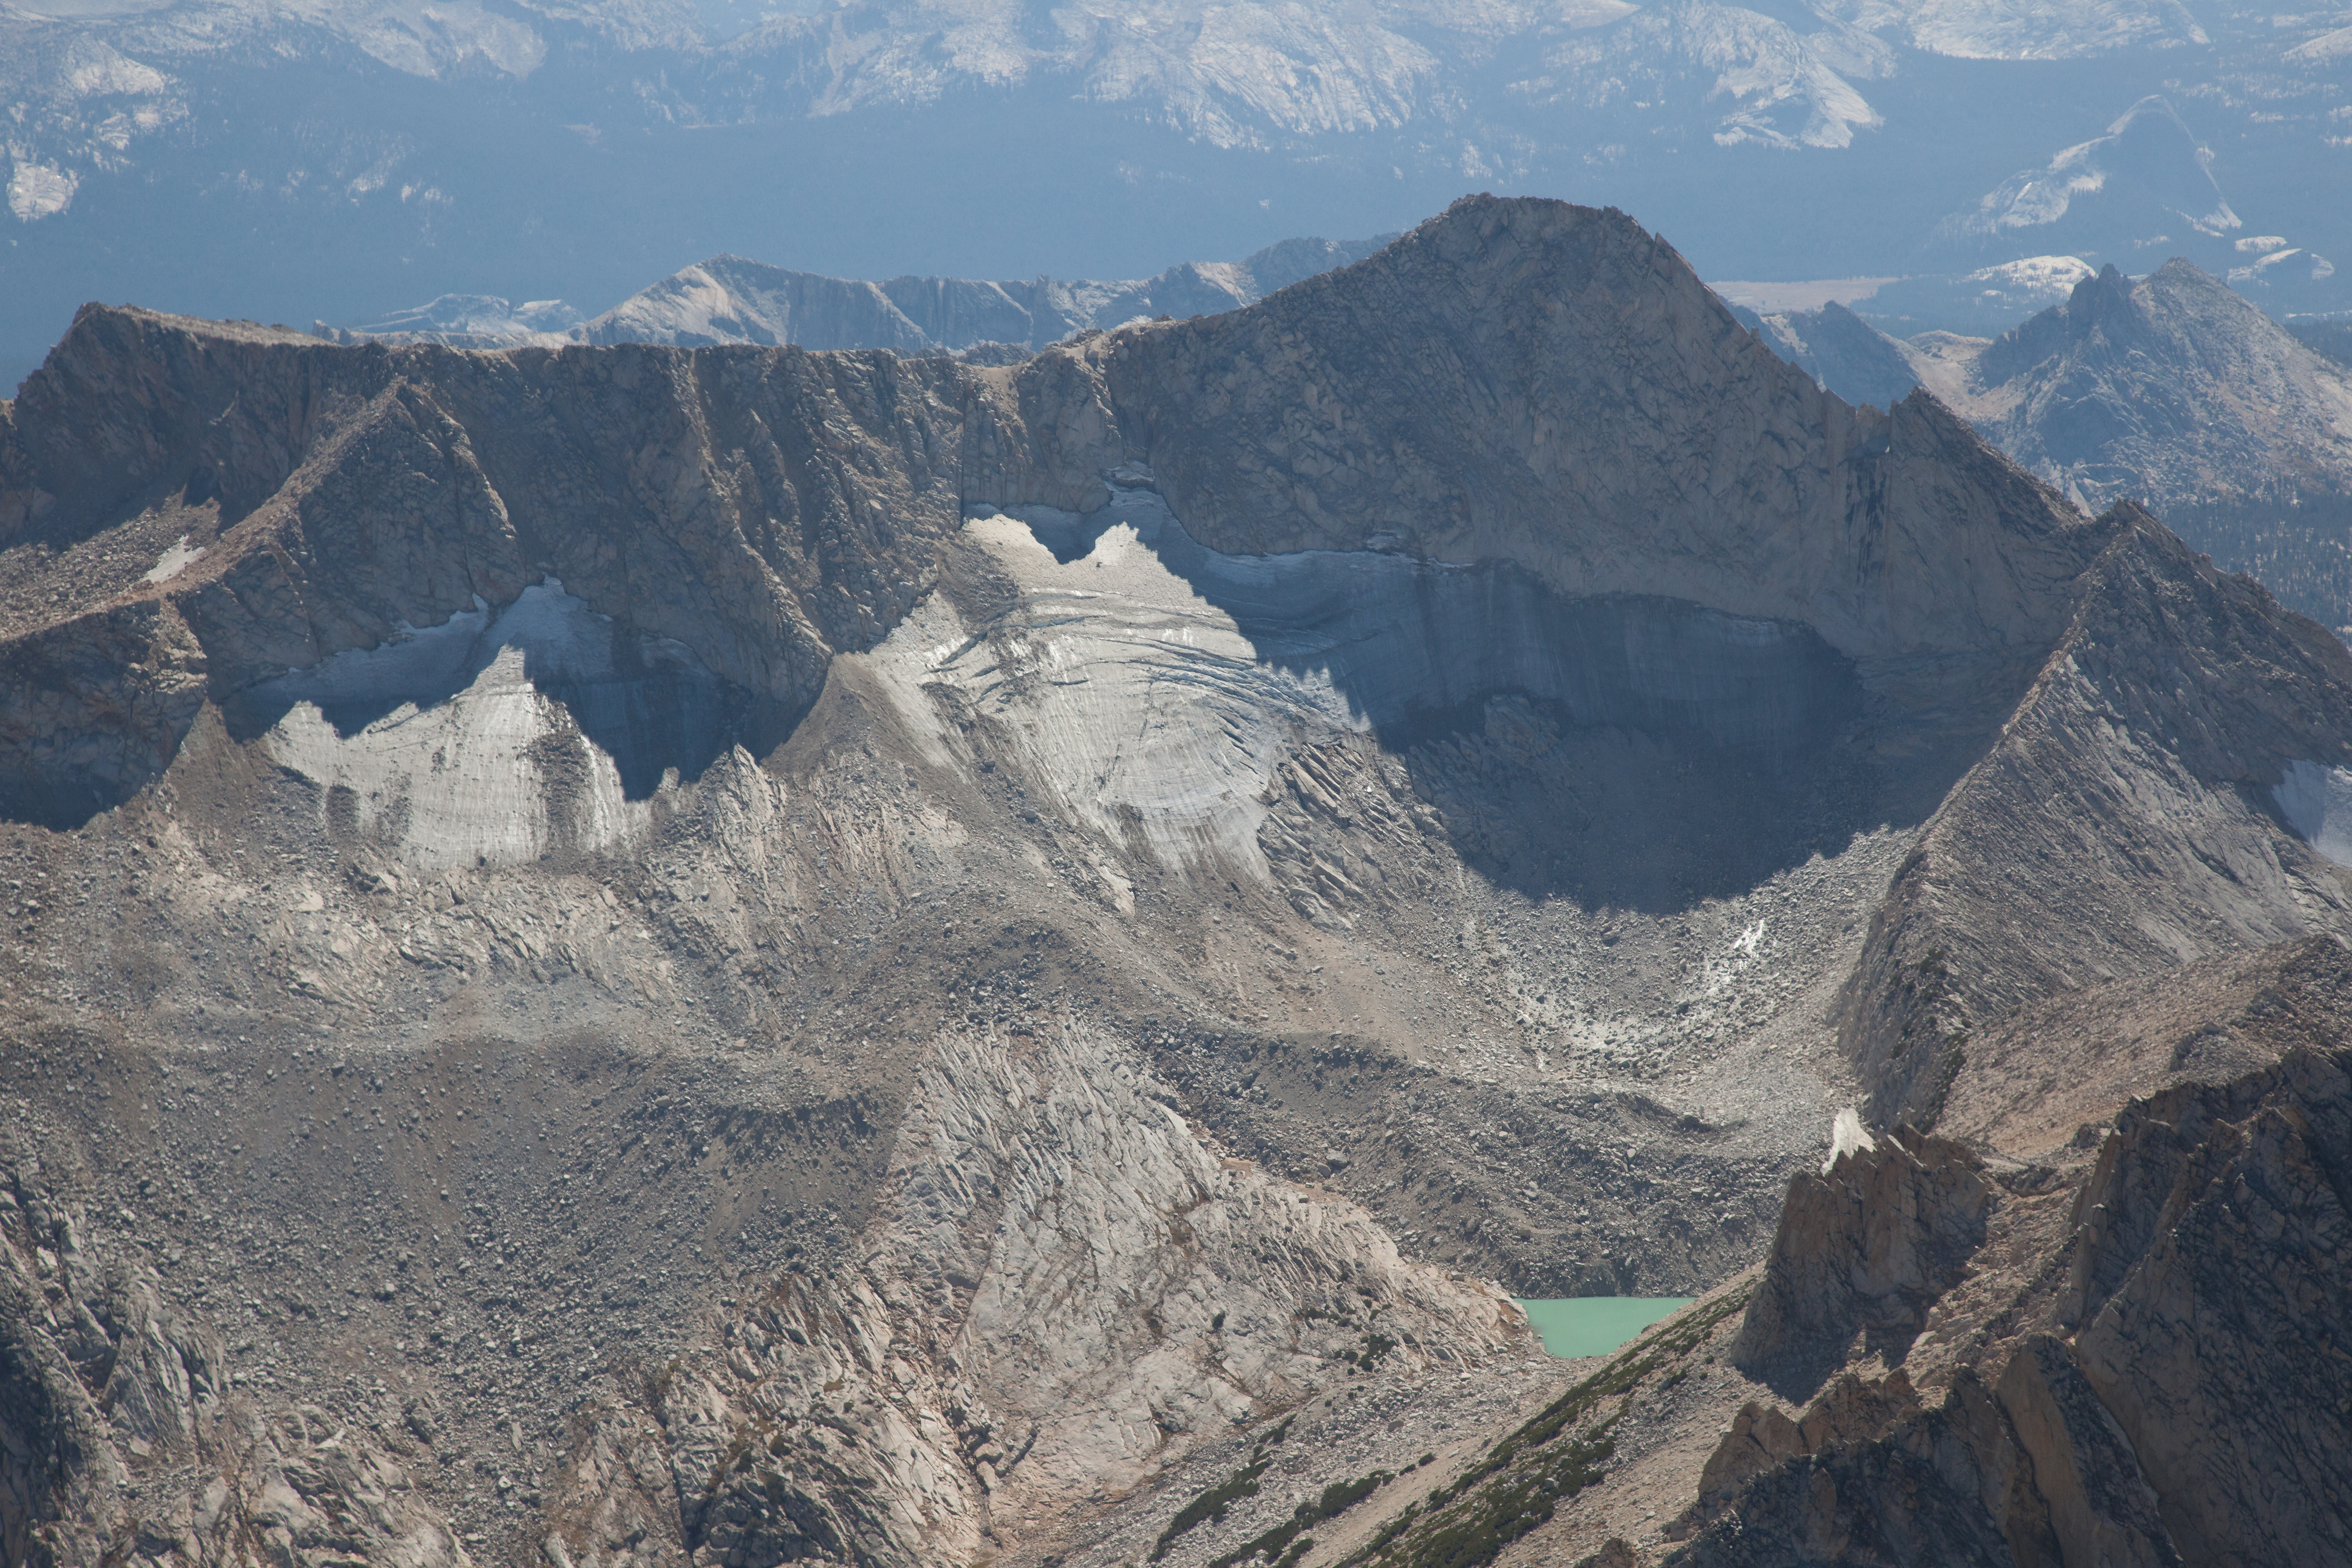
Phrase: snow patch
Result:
[1154,686]
[2317,801]
[1846,1137]
[2052,275]
[173,561]
[2323,50]
[452,745]
[1762,81]
[36,191]
[2000,30]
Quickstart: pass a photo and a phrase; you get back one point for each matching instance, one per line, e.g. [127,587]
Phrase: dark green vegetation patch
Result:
[1210,1507]
[1335,1500]
[1523,1478]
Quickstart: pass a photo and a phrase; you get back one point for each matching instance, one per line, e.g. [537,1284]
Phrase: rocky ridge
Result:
[730,300]
[1952,1356]
[2172,391]
[2099,1424]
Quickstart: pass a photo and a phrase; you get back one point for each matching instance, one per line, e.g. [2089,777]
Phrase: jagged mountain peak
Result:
[2173,388]
[1527,369]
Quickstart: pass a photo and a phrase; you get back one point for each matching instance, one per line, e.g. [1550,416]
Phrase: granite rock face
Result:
[1864,1247]
[2152,713]
[1472,393]
[2167,1402]
[2173,391]
[727,300]
[733,299]
[752,516]
[2170,390]
[125,1433]
[1841,351]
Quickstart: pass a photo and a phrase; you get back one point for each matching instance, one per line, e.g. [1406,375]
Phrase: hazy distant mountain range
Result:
[338,160]
[730,299]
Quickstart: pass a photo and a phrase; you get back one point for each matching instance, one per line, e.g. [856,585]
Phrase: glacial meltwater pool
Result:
[1595,1325]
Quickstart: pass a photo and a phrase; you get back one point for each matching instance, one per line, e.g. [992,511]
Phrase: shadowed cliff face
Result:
[1622,751]
[735,516]
[1553,385]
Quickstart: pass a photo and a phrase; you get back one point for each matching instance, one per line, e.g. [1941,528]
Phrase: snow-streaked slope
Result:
[1159,684]
[2008,30]
[1750,77]
[500,735]
[2149,158]
[731,300]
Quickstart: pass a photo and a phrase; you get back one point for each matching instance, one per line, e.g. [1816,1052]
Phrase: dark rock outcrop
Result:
[1514,379]
[2183,1403]
[1864,1249]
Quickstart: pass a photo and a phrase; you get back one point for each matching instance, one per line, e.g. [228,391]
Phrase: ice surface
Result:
[1847,1137]
[2317,801]
[1157,683]
[498,734]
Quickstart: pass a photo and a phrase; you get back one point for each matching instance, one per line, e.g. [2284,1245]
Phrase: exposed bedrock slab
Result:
[2159,797]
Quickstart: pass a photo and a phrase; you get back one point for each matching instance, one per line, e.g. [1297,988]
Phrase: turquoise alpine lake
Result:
[1595,1325]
